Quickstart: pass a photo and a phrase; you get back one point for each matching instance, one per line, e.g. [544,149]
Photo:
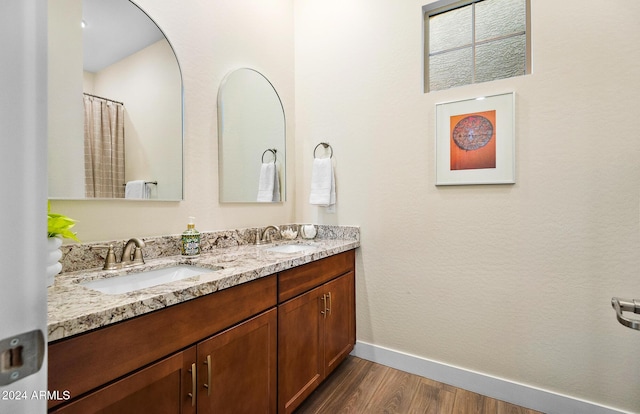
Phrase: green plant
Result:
[59,225]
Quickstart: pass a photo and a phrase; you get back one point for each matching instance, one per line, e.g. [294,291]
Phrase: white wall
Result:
[513,281]
[210,39]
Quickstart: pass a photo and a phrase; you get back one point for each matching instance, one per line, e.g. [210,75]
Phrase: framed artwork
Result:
[475,141]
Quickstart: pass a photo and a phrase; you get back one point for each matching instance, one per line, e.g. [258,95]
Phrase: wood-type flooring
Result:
[359,386]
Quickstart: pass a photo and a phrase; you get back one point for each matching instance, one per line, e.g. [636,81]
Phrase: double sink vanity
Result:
[241,328]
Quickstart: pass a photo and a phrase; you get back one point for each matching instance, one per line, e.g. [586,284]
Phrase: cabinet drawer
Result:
[84,362]
[300,279]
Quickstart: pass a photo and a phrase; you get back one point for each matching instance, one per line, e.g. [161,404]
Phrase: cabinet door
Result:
[163,387]
[339,330]
[300,332]
[237,368]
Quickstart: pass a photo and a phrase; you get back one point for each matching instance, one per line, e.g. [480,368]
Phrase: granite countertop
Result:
[74,309]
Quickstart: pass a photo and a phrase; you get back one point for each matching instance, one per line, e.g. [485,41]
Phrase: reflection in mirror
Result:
[125,134]
[251,127]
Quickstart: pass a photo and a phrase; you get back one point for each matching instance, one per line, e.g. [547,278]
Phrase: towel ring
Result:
[273,151]
[146,182]
[325,145]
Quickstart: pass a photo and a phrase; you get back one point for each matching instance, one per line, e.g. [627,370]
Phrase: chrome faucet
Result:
[131,255]
[265,238]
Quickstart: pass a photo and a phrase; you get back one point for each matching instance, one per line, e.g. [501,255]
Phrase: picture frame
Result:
[475,141]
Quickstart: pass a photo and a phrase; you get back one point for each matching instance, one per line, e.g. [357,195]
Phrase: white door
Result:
[23,197]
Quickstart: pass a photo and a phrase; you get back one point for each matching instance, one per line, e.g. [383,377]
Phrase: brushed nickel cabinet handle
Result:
[192,394]
[329,308]
[208,384]
[324,306]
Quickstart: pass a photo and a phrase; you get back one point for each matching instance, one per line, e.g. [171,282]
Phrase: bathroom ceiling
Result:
[114,29]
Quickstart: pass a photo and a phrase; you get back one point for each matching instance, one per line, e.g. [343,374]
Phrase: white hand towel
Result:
[276,185]
[269,183]
[136,189]
[323,185]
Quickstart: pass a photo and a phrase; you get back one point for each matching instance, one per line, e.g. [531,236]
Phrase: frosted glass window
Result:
[504,58]
[451,69]
[451,30]
[475,41]
[496,18]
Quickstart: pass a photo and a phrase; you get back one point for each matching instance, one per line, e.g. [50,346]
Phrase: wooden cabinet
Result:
[339,320]
[237,368]
[233,371]
[125,367]
[316,329]
[300,362]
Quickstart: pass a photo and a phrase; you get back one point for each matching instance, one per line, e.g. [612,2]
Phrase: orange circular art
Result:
[472,132]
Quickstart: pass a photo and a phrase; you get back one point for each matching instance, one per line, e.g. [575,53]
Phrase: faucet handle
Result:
[110,262]
[137,256]
[258,240]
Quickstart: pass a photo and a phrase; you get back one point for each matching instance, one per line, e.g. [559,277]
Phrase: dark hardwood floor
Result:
[359,386]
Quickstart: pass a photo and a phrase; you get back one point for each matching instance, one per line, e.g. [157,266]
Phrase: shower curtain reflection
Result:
[103,147]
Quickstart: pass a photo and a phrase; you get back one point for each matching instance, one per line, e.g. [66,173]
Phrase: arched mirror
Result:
[252,147]
[115,104]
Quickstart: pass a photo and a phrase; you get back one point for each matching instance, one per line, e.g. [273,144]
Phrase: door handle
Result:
[627,305]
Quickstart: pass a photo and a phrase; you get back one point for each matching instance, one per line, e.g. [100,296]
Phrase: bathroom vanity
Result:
[266,330]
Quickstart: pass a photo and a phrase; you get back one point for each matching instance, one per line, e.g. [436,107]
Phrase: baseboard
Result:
[501,389]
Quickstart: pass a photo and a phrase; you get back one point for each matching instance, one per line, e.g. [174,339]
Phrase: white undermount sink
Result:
[136,281]
[291,248]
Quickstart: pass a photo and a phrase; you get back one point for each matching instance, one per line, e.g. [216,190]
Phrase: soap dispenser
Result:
[191,239]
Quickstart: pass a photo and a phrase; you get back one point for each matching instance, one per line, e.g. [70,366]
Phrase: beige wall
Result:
[210,39]
[513,281]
